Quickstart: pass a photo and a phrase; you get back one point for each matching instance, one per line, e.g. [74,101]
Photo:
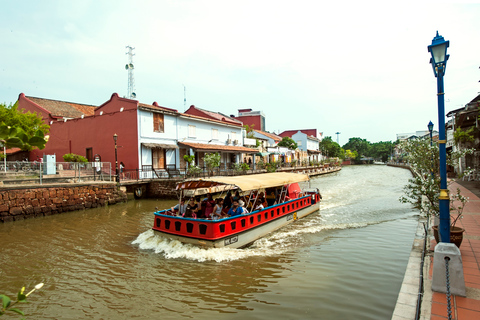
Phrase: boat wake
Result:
[276,243]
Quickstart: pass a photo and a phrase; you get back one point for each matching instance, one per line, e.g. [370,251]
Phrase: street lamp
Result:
[438,49]
[117,177]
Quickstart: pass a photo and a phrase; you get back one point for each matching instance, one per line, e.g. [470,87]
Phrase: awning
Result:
[160,146]
[244,182]
[262,154]
[216,147]
[313,151]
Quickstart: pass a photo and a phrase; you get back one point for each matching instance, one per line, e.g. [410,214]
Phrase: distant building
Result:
[255,119]
[308,143]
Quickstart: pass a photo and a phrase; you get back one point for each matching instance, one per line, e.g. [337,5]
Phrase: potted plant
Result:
[457,204]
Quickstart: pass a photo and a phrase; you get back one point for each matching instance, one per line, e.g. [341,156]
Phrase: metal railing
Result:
[170,172]
[15,172]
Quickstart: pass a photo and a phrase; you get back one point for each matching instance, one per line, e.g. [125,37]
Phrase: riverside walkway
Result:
[434,304]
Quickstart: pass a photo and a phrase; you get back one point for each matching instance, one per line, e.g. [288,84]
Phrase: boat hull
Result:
[246,237]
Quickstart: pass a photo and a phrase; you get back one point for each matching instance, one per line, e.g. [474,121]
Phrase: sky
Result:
[360,68]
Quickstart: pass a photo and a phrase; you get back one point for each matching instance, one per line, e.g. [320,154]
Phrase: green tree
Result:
[212,161]
[249,130]
[381,150]
[361,146]
[330,148]
[288,143]
[21,130]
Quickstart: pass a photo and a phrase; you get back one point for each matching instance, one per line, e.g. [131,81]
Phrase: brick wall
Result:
[21,203]
[163,189]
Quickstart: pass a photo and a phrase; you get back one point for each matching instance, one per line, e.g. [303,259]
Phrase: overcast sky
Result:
[356,67]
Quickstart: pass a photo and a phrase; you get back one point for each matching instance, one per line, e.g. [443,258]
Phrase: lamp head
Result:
[438,50]
[115,137]
[430,126]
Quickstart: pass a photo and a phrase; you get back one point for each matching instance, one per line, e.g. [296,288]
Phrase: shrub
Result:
[72,157]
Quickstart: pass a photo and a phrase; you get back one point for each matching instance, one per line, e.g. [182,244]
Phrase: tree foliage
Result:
[330,148]
[288,143]
[361,146]
[212,161]
[21,130]
[423,190]
[381,150]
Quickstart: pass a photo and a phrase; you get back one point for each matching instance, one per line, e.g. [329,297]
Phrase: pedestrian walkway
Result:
[463,308]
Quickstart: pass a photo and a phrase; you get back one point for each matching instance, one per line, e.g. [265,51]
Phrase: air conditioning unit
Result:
[229,141]
[235,142]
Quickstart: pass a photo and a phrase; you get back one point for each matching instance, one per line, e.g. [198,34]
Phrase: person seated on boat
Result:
[242,204]
[207,206]
[217,210]
[259,206]
[192,209]
[271,198]
[227,203]
[236,196]
[235,210]
[180,208]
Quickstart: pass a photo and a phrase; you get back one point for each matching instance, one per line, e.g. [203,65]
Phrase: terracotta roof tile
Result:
[63,108]
[270,135]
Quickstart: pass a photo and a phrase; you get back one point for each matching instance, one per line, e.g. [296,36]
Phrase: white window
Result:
[233,136]
[299,143]
[191,131]
[214,134]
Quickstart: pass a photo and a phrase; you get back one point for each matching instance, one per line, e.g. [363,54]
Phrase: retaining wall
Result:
[31,201]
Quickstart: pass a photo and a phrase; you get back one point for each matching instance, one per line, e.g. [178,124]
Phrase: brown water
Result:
[346,262]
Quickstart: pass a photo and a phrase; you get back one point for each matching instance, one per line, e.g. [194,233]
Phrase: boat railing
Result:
[225,227]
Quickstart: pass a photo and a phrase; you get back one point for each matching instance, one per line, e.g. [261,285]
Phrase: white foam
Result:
[273,244]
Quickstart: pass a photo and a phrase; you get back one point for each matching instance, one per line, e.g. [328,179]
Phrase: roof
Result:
[212,115]
[155,106]
[65,109]
[272,136]
[216,147]
[245,182]
[311,133]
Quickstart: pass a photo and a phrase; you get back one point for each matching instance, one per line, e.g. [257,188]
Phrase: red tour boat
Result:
[290,203]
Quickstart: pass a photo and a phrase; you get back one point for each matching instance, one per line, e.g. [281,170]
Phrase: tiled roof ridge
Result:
[75,103]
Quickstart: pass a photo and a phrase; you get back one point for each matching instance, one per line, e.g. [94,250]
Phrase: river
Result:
[345,262]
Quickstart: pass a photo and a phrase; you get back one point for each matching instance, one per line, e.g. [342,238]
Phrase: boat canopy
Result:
[244,182]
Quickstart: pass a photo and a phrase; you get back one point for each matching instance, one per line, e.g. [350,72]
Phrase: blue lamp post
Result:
[438,49]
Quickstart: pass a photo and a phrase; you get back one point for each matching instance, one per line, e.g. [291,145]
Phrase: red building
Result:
[88,130]
[255,119]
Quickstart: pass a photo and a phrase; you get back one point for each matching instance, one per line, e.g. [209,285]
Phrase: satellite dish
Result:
[134,95]
[130,65]
[126,67]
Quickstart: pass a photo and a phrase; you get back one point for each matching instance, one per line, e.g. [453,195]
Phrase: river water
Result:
[345,262]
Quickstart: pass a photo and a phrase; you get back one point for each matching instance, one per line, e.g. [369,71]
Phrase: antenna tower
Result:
[129,67]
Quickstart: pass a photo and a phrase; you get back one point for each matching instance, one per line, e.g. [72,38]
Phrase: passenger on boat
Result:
[242,204]
[207,206]
[235,210]
[180,208]
[271,198]
[217,210]
[236,196]
[259,207]
[228,201]
[192,209]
